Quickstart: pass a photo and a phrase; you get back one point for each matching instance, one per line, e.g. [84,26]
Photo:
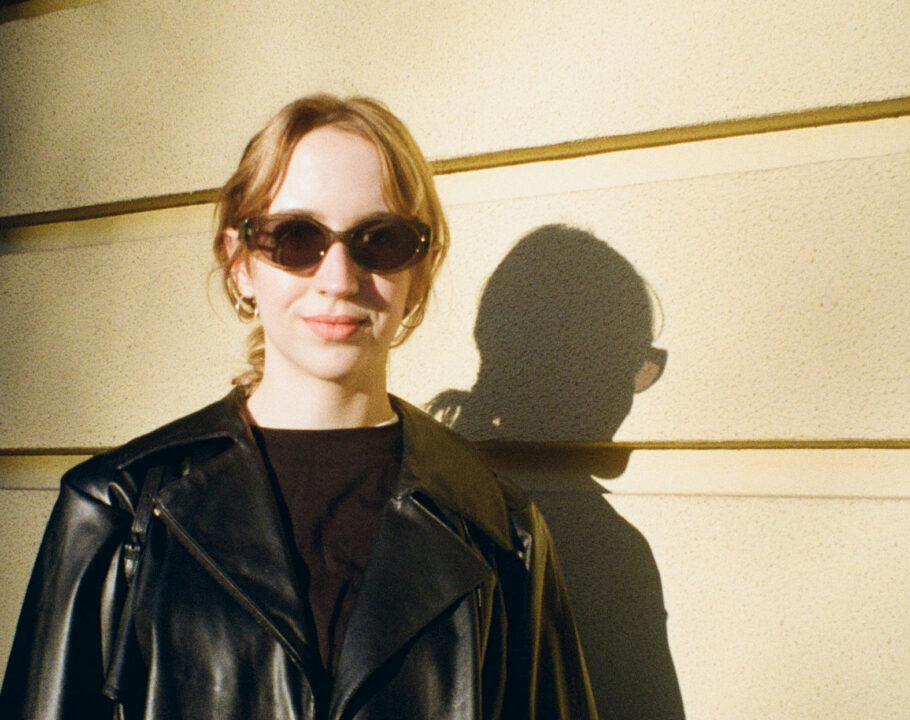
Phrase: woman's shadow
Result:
[565,331]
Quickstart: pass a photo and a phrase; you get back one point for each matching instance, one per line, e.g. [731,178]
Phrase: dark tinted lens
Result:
[295,244]
[386,246]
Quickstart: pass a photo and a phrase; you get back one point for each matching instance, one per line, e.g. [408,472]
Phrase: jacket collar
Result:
[225,418]
[436,460]
[446,467]
[226,514]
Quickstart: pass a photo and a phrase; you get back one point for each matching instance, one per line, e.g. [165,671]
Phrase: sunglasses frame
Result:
[251,228]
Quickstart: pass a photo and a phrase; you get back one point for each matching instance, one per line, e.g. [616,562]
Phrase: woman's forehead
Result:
[334,174]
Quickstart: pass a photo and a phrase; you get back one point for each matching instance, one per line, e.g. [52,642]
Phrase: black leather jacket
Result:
[462,613]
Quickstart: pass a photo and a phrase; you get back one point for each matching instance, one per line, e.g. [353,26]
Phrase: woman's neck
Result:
[320,405]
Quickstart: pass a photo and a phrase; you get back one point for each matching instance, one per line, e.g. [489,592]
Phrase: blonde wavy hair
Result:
[408,190]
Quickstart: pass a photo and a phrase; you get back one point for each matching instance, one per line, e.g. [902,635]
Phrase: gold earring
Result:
[246,307]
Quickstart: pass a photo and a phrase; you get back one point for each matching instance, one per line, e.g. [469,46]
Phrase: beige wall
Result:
[764,476]
[145,97]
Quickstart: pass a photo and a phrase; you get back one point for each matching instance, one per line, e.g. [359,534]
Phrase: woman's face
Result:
[334,322]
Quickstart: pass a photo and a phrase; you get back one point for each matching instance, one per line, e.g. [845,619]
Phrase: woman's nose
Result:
[337,274]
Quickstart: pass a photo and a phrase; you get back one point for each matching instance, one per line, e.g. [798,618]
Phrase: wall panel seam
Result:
[536,490]
[726,495]
[493,446]
[816,117]
[34,8]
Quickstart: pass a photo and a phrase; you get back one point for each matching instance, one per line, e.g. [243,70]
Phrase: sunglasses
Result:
[382,243]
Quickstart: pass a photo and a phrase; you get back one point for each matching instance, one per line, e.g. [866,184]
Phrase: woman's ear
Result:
[240,268]
[420,280]
[417,290]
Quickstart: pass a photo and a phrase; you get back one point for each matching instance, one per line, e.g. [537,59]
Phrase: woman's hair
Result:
[408,190]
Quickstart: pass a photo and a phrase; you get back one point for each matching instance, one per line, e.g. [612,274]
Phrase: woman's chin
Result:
[340,364]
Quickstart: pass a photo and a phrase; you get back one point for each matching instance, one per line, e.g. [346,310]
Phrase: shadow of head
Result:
[565,332]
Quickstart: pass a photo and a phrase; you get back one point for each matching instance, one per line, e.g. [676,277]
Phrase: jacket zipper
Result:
[234,591]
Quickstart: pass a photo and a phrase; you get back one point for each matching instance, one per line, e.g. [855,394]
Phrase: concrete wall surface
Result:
[143,97]
[735,533]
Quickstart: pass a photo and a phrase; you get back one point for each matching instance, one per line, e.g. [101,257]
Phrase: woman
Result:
[310,546]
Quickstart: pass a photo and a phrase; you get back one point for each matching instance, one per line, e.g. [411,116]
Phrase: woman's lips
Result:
[336,328]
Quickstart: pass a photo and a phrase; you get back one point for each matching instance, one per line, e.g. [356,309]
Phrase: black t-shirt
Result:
[333,485]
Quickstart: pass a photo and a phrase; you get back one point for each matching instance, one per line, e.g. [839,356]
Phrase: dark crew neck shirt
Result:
[332,485]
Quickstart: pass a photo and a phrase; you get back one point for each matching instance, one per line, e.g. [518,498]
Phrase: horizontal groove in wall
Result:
[843,444]
[854,473]
[523,446]
[36,472]
[860,112]
[33,8]
[121,207]
[53,451]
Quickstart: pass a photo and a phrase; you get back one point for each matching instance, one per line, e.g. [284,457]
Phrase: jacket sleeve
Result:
[55,668]
[546,673]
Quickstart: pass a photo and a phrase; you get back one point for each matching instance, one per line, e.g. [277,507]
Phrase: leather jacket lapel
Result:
[418,569]
[225,513]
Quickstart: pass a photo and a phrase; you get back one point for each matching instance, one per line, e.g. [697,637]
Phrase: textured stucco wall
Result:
[783,293]
[143,98]
[778,263]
